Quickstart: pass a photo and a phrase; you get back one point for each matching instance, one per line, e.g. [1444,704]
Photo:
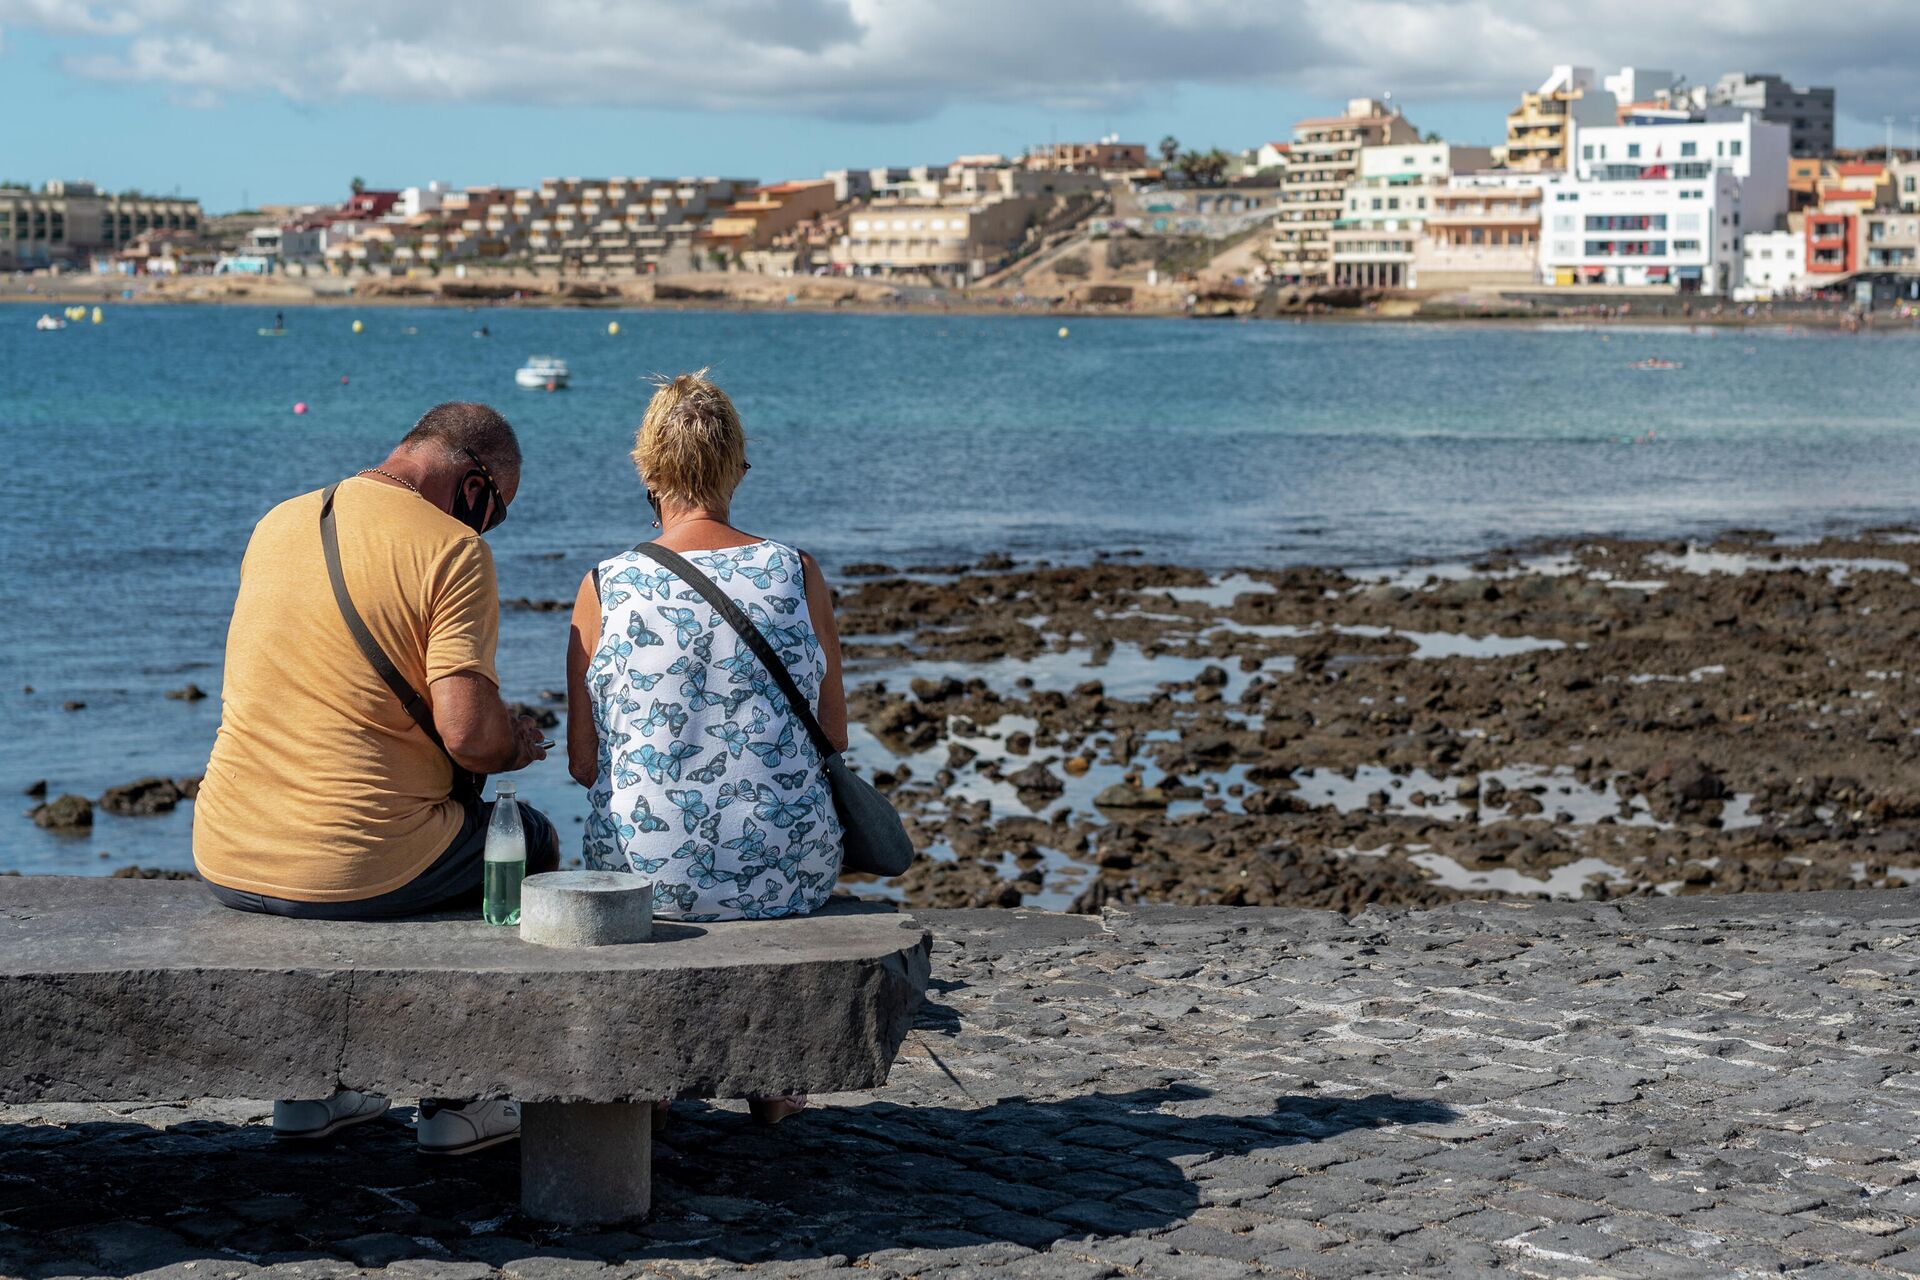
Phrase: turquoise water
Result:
[140,452]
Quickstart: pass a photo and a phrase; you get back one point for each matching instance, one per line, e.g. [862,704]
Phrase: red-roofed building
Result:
[369,205]
[1842,193]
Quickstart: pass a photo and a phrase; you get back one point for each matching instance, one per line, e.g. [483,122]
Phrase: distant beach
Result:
[747,291]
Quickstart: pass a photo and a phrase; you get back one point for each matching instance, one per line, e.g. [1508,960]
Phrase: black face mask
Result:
[469,514]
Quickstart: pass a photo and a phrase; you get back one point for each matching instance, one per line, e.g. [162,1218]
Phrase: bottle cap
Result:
[503,790]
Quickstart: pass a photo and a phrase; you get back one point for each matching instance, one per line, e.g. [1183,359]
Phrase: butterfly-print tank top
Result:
[707,786]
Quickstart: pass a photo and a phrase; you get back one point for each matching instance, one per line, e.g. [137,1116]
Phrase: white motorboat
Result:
[48,323]
[543,373]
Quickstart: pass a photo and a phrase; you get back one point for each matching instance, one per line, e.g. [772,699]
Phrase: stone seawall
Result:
[1690,1087]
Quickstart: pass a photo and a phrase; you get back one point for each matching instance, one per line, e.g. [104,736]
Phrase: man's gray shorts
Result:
[450,883]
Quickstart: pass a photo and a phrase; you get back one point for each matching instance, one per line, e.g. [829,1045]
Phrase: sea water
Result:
[142,451]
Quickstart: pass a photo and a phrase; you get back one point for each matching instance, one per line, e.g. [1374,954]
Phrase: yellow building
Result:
[953,240]
[754,222]
[1540,133]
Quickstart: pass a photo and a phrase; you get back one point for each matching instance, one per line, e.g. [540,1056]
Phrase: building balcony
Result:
[1444,215]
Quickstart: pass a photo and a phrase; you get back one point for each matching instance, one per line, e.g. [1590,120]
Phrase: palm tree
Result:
[1169,150]
[357,185]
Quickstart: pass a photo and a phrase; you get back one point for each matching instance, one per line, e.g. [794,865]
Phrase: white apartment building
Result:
[1372,242]
[1773,263]
[1666,205]
[415,201]
[1483,230]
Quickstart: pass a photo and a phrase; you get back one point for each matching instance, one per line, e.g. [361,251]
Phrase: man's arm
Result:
[463,627]
[479,733]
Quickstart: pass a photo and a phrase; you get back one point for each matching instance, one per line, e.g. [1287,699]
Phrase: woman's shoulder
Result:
[759,551]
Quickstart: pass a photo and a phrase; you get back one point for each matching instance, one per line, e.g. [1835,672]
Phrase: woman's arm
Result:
[583,743]
[833,693]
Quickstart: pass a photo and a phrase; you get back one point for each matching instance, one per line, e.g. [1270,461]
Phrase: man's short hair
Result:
[463,424]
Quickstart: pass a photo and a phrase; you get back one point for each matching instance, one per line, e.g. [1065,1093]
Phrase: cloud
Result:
[906,59]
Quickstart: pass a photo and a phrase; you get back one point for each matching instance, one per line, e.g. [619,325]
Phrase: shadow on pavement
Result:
[119,1198]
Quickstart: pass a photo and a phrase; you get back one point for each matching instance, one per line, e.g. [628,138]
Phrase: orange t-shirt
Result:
[321,788]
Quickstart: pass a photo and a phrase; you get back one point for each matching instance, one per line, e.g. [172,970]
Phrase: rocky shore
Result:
[1593,720]
[1597,719]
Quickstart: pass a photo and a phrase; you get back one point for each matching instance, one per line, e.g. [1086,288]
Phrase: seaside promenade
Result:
[1705,1086]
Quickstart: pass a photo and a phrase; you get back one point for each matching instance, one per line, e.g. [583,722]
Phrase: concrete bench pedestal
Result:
[586,1163]
[150,991]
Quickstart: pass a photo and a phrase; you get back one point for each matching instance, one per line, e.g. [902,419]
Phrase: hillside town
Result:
[1630,182]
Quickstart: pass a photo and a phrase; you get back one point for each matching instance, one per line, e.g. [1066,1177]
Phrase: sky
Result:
[239,102]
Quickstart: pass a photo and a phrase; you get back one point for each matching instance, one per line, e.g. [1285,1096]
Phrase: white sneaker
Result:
[309,1118]
[452,1128]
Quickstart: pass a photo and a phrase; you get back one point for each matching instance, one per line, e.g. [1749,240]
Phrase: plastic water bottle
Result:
[506,860]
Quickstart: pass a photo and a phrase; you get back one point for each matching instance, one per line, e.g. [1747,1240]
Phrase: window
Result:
[1633,151]
[1586,153]
[1689,149]
[1693,246]
[1733,148]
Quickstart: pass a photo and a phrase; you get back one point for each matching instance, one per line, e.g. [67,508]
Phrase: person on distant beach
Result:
[329,796]
[699,775]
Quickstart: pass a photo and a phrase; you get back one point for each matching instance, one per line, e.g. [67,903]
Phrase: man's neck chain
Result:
[377,471]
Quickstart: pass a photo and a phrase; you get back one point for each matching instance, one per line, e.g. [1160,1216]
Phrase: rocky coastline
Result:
[1595,719]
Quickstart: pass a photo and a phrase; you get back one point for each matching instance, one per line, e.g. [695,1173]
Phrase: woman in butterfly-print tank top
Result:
[699,776]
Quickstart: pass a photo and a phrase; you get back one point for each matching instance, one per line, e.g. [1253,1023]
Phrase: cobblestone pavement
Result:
[1691,1087]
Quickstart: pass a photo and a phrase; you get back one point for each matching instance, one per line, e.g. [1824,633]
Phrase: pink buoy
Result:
[343,379]
[300,407]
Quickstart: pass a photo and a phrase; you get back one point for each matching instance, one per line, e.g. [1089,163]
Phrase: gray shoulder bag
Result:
[876,842]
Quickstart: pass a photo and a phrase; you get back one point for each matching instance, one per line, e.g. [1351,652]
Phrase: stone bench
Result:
[132,991]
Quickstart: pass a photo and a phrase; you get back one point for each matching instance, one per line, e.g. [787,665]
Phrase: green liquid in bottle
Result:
[500,891]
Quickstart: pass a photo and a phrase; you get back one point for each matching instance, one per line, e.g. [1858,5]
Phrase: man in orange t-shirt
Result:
[324,798]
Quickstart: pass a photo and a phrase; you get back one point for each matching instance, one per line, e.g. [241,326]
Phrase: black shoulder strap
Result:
[376,656]
[741,623]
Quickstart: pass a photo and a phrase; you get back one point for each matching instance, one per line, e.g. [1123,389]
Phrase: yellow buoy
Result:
[1063,331]
[613,328]
[357,326]
[96,315]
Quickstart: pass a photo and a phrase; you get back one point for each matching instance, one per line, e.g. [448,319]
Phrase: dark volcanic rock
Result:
[66,813]
[938,690]
[189,692]
[1124,795]
[1687,777]
[544,717]
[1036,778]
[145,798]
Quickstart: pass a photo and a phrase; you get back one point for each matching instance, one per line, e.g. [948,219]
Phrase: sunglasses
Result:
[495,501]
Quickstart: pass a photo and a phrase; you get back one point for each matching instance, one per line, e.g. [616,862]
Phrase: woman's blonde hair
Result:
[690,448]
